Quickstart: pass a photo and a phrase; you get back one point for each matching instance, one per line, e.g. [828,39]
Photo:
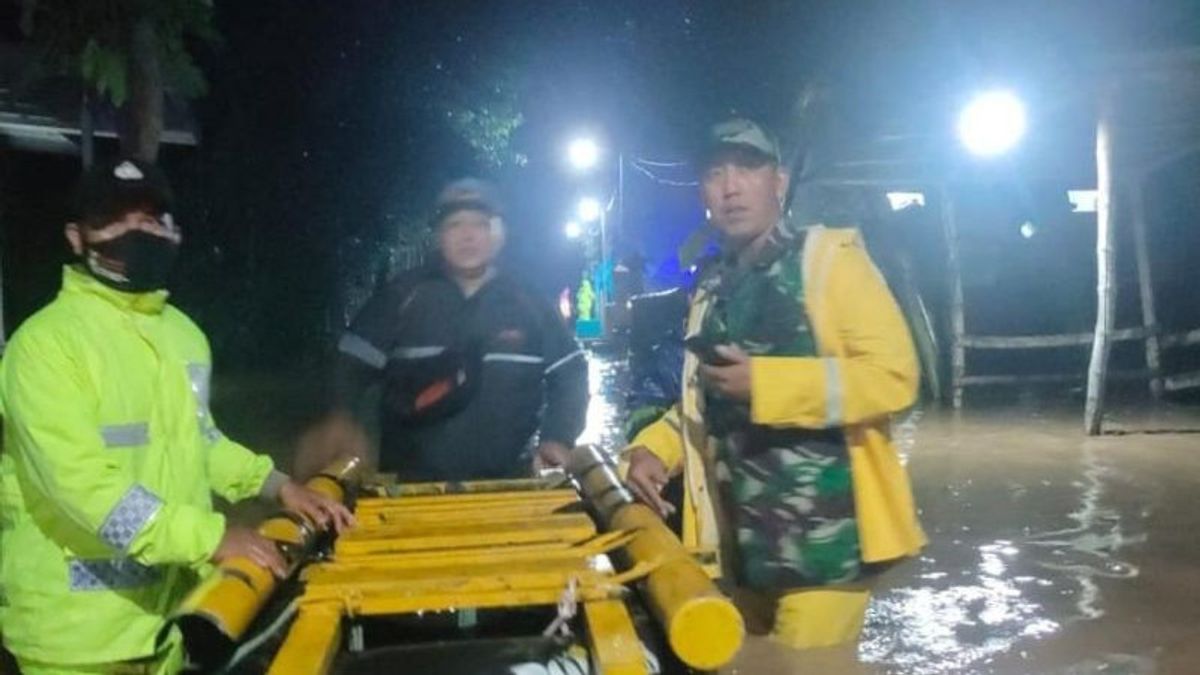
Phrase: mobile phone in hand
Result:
[706,350]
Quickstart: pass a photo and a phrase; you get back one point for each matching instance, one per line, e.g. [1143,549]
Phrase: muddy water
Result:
[1049,552]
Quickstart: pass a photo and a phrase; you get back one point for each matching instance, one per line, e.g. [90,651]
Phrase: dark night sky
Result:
[329,120]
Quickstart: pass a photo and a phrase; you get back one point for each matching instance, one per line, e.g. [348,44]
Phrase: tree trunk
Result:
[87,131]
[140,119]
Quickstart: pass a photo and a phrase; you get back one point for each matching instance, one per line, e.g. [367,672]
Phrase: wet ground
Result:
[1049,553]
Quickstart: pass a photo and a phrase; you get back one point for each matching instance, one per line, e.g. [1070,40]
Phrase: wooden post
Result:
[958,354]
[1106,290]
[1146,286]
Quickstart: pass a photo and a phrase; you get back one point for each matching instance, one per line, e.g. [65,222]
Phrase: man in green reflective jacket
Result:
[111,453]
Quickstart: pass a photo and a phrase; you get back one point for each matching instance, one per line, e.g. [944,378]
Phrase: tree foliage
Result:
[488,126]
[93,40]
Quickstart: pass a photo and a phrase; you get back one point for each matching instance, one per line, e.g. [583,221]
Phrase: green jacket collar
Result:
[77,280]
[781,241]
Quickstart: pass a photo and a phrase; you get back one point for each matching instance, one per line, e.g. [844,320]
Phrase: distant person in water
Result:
[585,299]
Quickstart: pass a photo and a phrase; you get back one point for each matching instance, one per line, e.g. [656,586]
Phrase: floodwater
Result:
[1049,552]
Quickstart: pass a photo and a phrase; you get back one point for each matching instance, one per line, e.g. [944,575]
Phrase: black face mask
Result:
[136,262]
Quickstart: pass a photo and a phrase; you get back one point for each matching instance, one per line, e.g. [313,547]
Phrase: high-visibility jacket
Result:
[109,461]
[865,370]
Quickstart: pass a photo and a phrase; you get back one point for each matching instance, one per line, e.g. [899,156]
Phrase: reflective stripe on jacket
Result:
[866,370]
[110,458]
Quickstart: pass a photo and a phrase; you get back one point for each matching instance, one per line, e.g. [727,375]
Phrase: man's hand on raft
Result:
[315,507]
[243,542]
[646,478]
[550,455]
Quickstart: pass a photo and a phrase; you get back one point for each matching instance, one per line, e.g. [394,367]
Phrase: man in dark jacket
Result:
[471,364]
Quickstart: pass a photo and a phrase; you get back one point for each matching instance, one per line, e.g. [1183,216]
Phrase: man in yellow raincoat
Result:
[111,454]
[797,357]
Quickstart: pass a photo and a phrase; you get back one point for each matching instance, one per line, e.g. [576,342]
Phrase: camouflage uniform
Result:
[789,490]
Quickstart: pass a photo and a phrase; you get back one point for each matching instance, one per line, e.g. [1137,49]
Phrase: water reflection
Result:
[608,378]
[1010,563]
[967,603]
[1111,664]
[1089,549]
[904,433]
[954,622]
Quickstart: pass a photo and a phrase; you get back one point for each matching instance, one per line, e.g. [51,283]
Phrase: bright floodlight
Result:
[1028,229]
[573,230]
[583,153]
[589,209]
[992,123]
[902,200]
[1083,201]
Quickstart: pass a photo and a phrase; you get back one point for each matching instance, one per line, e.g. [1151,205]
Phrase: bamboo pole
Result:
[702,626]
[1106,290]
[1146,287]
[958,354]
[1182,381]
[1047,341]
[1052,378]
[1187,339]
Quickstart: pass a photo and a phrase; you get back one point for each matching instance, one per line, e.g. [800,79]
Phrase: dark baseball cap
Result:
[108,191]
[739,135]
[465,194]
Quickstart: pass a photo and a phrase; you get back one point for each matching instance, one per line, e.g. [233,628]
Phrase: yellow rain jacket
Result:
[866,370]
[110,458]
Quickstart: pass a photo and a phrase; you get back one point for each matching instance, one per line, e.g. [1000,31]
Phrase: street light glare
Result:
[902,200]
[1083,201]
[589,209]
[583,153]
[992,123]
[573,230]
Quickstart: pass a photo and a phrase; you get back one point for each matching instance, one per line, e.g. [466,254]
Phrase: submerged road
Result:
[1049,552]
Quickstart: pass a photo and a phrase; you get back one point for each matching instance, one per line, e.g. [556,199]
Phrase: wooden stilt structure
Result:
[958,354]
[1146,285]
[1159,93]
[1106,257]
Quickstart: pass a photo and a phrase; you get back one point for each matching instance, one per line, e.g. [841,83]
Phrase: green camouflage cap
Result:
[741,132]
